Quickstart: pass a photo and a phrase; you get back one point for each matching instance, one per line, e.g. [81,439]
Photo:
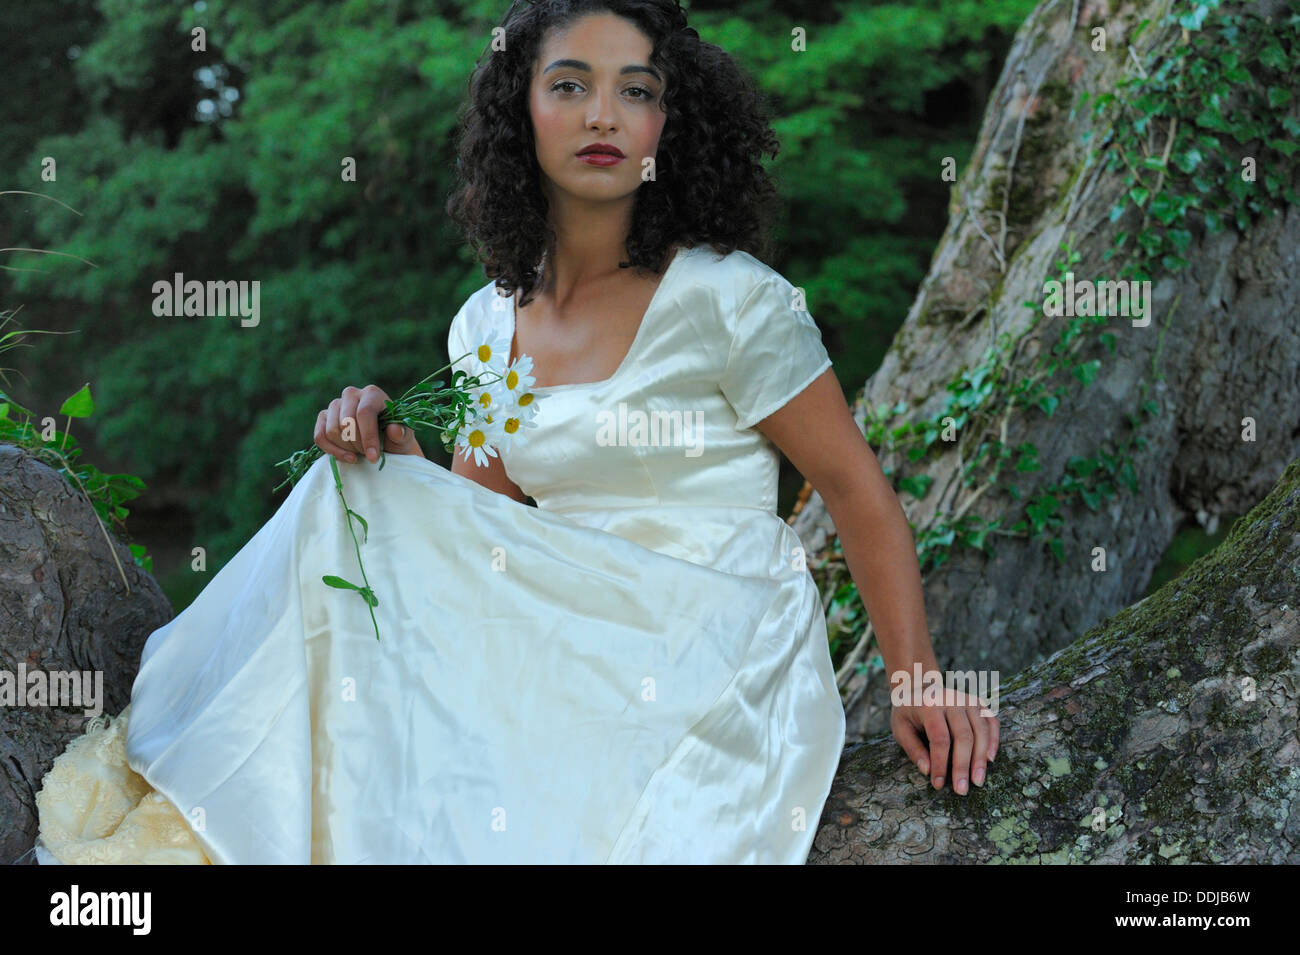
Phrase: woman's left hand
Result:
[957,724]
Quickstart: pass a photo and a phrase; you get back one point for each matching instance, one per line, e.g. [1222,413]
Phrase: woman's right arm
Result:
[361,408]
[493,477]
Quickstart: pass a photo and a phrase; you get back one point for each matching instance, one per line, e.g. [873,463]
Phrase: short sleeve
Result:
[457,337]
[776,352]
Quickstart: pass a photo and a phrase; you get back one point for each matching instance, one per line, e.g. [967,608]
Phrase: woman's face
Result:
[593,83]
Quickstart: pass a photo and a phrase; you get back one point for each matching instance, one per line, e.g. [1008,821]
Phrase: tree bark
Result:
[1166,734]
[63,607]
[1221,341]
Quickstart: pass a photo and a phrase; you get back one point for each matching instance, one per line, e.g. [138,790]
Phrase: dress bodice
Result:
[720,347]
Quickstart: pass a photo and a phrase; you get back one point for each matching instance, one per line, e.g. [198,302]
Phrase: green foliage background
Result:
[225,165]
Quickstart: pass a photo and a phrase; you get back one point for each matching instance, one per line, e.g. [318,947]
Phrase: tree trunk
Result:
[63,607]
[1220,348]
[1167,734]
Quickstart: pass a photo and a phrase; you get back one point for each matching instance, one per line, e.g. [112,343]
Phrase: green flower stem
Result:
[366,592]
[422,406]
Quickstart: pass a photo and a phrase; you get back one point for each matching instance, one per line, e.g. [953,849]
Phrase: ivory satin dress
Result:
[634,671]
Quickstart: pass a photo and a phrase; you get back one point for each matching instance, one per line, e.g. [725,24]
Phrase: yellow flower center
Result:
[512,425]
[485,399]
[512,379]
[476,439]
[526,399]
[485,353]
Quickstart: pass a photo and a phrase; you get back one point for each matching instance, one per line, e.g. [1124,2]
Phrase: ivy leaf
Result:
[1086,371]
[1193,20]
[916,485]
[1164,208]
[1188,160]
[1272,56]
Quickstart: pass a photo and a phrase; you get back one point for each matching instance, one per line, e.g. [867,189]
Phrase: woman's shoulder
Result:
[737,266]
[734,279]
[483,316]
[736,274]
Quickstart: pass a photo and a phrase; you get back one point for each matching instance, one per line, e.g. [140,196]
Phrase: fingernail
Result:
[371,453]
[960,786]
[978,775]
[925,767]
[351,457]
[938,782]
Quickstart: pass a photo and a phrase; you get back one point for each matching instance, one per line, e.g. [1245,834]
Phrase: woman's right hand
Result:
[357,411]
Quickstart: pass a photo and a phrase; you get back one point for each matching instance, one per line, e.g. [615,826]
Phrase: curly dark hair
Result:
[709,188]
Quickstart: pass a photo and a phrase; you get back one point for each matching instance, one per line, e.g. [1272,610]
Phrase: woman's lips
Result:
[600,159]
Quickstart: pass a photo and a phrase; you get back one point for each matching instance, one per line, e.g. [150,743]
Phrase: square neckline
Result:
[636,339]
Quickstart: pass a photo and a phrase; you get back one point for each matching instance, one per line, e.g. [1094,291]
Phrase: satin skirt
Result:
[541,691]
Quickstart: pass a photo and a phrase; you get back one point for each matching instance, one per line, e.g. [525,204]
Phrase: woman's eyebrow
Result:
[579,65]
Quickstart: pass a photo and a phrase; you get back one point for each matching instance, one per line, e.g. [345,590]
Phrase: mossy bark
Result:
[1166,734]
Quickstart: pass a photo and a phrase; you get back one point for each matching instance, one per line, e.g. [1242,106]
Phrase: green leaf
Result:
[1165,208]
[1188,160]
[340,583]
[1272,56]
[1086,371]
[364,526]
[916,485]
[79,405]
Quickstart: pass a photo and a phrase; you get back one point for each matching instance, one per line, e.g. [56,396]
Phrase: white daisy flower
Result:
[476,438]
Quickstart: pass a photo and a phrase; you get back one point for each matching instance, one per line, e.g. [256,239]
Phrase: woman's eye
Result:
[645,93]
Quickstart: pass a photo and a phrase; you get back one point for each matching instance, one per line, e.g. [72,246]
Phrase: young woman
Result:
[637,669]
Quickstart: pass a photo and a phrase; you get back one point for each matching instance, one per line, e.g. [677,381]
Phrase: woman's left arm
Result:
[817,432]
